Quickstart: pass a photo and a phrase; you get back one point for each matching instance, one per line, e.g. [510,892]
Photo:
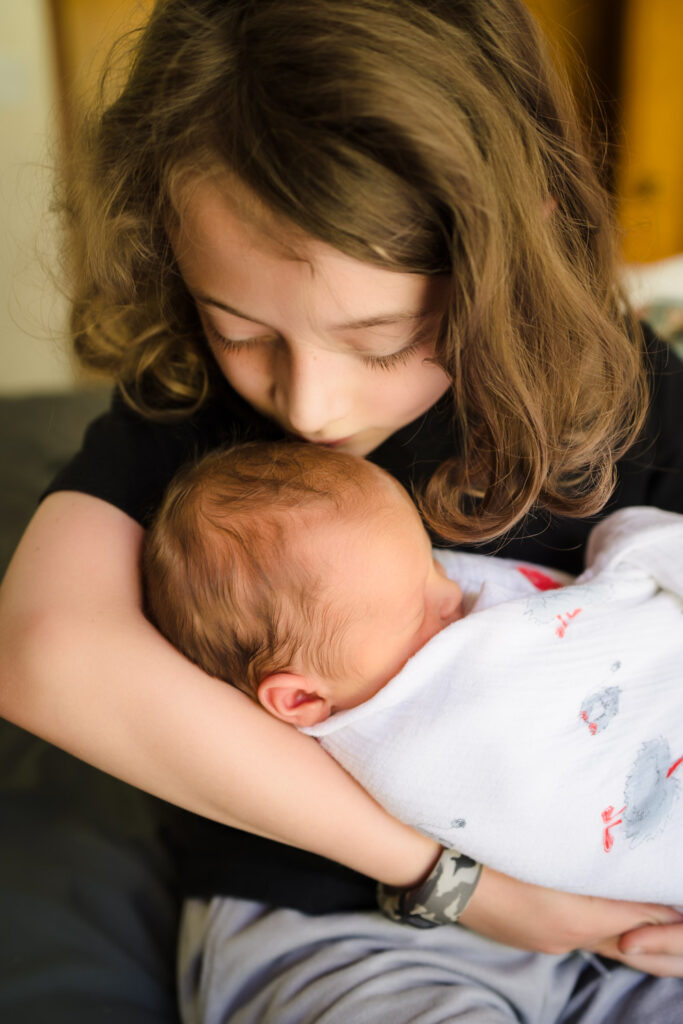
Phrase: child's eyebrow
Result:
[372,321]
[378,321]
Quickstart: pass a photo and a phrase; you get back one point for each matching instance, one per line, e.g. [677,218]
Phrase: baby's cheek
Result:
[430,627]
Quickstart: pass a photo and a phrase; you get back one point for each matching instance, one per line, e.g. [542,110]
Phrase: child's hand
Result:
[546,921]
[655,949]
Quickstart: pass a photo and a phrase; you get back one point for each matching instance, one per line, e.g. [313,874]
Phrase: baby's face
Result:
[400,596]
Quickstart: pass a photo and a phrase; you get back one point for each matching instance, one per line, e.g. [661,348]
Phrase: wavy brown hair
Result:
[429,136]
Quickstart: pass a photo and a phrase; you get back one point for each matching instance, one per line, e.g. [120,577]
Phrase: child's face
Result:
[301,339]
[400,596]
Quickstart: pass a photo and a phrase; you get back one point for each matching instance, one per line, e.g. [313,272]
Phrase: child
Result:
[372,224]
[541,735]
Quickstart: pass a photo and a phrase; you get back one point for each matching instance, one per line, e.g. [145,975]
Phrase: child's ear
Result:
[293,699]
[549,206]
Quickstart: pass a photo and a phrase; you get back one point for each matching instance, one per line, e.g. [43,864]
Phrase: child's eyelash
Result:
[395,358]
[403,355]
[376,362]
[228,343]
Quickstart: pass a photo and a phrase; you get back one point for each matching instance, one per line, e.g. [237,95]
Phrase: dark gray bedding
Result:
[87,899]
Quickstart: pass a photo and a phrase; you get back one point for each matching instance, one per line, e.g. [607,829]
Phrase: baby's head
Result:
[301,575]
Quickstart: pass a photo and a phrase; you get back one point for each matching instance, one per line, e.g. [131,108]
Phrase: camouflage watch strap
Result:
[440,899]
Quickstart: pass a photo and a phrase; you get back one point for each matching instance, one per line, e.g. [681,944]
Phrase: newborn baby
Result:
[531,721]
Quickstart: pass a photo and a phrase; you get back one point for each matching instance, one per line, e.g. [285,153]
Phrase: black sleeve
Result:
[652,473]
[128,460]
[124,460]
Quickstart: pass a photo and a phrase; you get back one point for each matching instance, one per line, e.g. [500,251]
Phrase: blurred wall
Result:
[629,77]
[32,313]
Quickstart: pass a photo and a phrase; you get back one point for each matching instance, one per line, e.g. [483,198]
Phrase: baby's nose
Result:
[451,605]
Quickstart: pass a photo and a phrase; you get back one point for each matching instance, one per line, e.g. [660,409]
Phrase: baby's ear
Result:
[294,699]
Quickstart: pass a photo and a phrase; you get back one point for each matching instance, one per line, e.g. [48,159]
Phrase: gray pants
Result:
[247,963]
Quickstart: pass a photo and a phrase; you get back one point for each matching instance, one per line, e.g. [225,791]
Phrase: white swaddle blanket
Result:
[542,734]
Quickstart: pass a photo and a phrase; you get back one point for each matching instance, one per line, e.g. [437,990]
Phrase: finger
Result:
[620,917]
[654,939]
[661,966]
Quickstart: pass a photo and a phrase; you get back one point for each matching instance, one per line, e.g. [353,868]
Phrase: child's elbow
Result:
[31,643]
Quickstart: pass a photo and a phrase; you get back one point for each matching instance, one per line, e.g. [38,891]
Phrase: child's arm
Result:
[82,667]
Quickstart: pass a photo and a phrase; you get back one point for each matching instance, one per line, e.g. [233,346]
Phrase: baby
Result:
[532,721]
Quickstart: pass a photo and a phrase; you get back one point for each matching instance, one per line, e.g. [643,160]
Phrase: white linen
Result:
[542,733]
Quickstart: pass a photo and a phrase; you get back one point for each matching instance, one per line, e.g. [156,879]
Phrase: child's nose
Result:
[313,395]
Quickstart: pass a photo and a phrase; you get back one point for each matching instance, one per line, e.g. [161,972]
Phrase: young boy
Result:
[531,721]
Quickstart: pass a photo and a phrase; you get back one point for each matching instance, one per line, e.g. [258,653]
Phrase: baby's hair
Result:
[227,579]
[428,136]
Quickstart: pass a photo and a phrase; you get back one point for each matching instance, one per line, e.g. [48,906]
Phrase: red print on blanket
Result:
[565,619]
[544,582]
[539,579]
[598,710]
[649,795]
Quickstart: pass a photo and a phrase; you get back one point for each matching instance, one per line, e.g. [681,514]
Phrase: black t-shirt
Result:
[128,461]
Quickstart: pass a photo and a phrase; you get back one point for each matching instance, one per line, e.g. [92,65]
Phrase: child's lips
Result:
[335,443]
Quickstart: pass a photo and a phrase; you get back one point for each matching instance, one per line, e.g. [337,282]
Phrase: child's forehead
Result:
[196,196]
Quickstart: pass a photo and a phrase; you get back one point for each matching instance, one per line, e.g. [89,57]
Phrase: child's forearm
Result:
[202,745]
[253,772]
[81,666]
